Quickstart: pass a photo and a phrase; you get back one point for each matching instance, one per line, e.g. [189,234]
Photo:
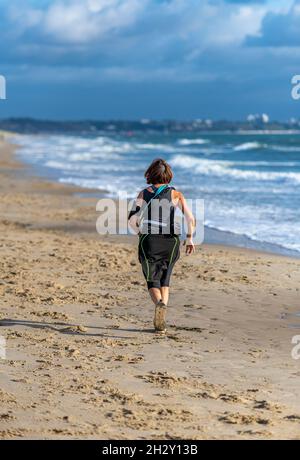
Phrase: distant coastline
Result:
[257,126]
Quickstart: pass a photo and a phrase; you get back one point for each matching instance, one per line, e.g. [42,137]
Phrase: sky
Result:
[158,59]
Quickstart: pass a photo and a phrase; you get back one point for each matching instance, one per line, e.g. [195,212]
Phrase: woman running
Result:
[153,219]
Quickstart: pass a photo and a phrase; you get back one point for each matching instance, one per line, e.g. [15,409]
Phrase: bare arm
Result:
[190,220]
[133,218]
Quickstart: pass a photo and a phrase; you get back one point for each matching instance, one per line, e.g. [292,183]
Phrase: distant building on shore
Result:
[258,118]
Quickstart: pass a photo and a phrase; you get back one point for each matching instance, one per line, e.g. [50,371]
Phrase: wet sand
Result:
[82,359]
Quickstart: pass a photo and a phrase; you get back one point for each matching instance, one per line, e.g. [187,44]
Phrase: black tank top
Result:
[163,220]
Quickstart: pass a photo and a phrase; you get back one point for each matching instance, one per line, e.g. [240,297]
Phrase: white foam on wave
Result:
[88,168]
[110,189]
[249,146]
[83,148]
[222,168]
[150,146]
[192,141]
[259,145]
[270,224]
[285,148]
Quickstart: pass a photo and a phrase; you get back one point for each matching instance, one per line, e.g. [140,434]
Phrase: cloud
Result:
[212,56]
[279,29]
[72,21]
[80,22]
[120,26]
[130,40]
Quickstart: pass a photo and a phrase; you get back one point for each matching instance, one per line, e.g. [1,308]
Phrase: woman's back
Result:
[158,211]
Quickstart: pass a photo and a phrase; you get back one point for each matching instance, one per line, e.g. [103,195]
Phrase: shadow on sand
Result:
[70,329]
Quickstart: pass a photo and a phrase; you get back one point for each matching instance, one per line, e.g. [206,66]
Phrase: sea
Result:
[249,181]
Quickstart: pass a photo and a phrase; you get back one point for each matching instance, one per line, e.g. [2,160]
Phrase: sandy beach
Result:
[82,361]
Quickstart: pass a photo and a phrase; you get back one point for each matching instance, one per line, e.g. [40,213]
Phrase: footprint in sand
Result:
[186,328]
[255,433]
[163,379]
[128,359]
[240,419]
[265,405]
[292,418]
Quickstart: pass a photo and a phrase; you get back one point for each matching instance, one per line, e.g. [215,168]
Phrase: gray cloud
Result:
[279,29]
[195,46]
[162,37]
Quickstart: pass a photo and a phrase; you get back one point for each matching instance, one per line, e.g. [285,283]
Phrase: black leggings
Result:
[158,255]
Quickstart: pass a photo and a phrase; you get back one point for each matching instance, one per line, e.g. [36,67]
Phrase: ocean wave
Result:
[192,141]
[151,146]
[67,145]
[89,168]
[249,146]
[222,168]
[109,189]
[271,224]
[259,145]
[285,148]
[268,164]
[288,241]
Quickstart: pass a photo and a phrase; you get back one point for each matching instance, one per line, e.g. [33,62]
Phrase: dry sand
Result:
[82,359]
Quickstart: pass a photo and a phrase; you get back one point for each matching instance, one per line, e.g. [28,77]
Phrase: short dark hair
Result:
[159,172]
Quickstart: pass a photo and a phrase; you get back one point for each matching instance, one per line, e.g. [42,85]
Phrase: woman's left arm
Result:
[190,220]
[133,217]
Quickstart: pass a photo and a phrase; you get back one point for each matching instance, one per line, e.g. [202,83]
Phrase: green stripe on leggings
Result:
[148,269]
[176,241]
